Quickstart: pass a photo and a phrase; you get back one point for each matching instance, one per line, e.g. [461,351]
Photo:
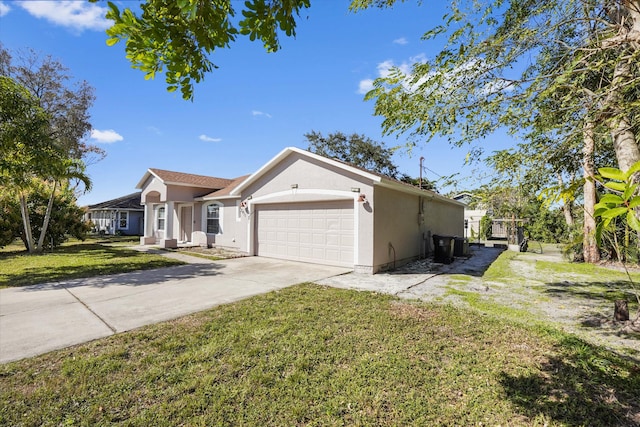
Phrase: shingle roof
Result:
[170,177]
[226,190]
[130,201]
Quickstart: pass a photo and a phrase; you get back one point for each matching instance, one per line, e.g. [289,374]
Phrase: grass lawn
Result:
[75,259]
[310,355]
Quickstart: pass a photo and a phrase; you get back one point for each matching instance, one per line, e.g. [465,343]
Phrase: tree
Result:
[355,149]
[65,216]
[178,36]
[565,69]
[42,133]
[425,184]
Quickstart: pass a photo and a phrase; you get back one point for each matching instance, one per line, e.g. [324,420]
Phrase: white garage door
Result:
[320,232]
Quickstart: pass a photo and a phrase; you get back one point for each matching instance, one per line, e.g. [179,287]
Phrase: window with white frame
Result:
[161,217]
[213,219]
[123,220]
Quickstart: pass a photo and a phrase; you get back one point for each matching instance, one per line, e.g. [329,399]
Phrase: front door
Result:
[186,223]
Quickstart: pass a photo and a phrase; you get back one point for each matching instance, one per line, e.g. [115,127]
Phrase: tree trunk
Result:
[567,206]
[621,310]
[627,19]
[26,223]
[590,247]
[47,216]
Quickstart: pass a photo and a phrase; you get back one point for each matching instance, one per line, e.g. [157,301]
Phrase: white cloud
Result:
[77,15]
[365,86]
[106,136]
[206,138]
[260,113]
[4,9]
[154,130]
[401,41]
[385,68]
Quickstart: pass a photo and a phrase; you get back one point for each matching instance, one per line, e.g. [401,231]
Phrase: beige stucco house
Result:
[300,206]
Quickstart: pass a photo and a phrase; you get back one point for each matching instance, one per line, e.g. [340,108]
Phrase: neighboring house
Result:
[300,206]
[124,215]
[472,217]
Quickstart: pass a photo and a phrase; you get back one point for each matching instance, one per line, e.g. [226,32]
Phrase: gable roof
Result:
[185,179]
[225,192]
[376,178]
[130,202]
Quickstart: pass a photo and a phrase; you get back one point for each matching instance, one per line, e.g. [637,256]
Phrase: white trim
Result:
[156,217]
[126,227]
[220,218]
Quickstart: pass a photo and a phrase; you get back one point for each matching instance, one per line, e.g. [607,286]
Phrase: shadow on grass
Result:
[100,266]
[579,385]
[608,291]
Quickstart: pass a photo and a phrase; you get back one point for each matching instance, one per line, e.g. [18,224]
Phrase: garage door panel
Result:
[320,232]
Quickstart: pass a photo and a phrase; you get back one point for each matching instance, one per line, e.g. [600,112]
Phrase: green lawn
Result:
[310,355]
[74,260]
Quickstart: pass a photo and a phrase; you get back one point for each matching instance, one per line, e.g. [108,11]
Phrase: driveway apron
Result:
[40,318]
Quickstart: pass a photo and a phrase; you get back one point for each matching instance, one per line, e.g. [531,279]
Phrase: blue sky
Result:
[252,106]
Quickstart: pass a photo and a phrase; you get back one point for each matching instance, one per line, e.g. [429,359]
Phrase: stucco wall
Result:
[316,181]
[233,226]
[398,235]
[444,218]
[307,173]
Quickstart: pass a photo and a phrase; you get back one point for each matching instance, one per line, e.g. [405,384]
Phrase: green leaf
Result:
[112,41]
[616,186]
[612,173]
[629,191]
[633,169]
[615,212]
[611,198]
[633,221]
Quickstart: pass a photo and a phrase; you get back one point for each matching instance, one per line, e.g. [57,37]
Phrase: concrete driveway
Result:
[40,318]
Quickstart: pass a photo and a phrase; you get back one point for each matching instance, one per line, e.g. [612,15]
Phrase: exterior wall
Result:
[153,190]
[315,181]
[106,220]
[399,231]
[232,224]
[473,217]
[306,173]
[444,218]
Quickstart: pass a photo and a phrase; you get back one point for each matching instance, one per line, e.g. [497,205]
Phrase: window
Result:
[123,220]
[213,219]
[161,217]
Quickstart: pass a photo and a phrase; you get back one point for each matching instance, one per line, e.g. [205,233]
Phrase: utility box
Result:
[443,249]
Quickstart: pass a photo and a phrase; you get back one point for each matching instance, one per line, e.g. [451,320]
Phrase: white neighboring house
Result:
[472,217]
[299,206]
[124,215]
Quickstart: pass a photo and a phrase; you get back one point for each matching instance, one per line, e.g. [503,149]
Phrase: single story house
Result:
[300,206]
[124,215]
[472,217]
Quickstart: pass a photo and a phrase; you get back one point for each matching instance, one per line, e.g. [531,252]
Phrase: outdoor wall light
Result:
[355,189]
[362,198]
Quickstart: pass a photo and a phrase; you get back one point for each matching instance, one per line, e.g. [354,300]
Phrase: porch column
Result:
[147,233]
[169,241]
